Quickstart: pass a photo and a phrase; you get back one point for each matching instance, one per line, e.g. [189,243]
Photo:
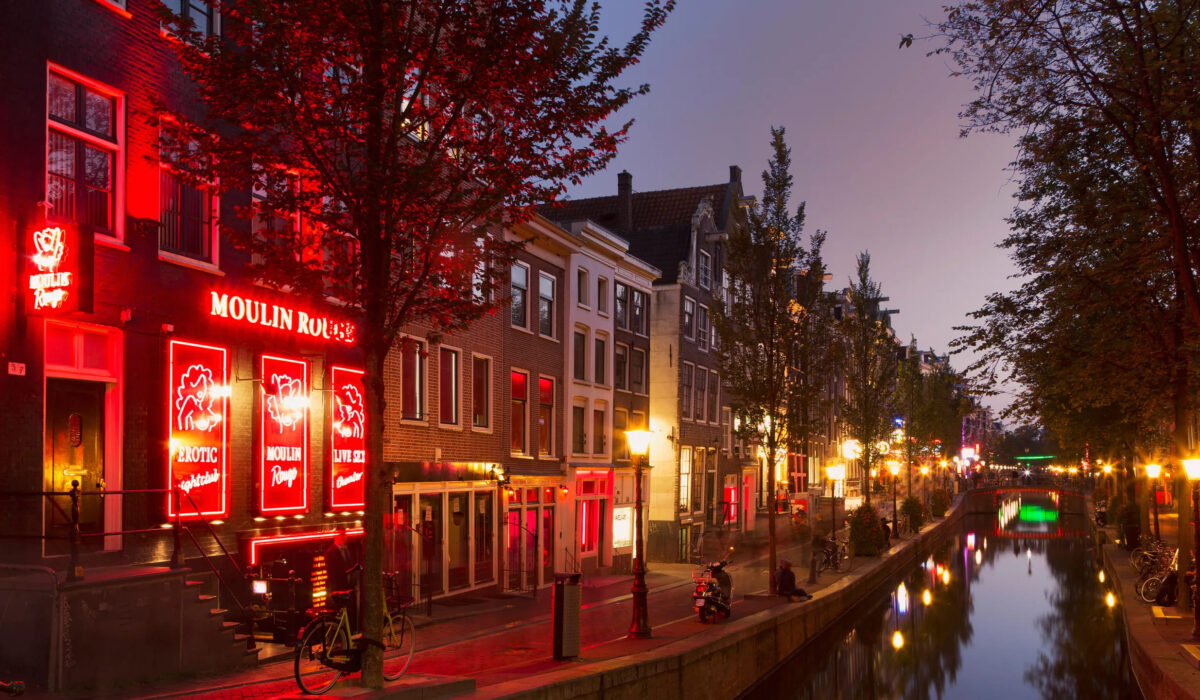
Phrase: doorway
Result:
[75,451]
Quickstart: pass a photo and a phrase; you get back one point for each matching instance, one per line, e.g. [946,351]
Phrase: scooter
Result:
[714,591]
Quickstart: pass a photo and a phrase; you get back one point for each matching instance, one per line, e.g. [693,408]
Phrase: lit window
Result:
[685,476]
[82,150]
[519,397]
[481,392]
[546,305]
[545,416]
[448,386]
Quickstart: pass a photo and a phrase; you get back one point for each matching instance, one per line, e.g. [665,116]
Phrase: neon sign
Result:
[198,412]
[52,276]
[261,313]
[283,436]
[348,440]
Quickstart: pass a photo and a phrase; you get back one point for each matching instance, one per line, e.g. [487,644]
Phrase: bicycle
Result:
[831,556]
[327,649]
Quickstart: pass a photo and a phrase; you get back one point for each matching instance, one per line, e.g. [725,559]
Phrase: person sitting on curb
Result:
[785,583]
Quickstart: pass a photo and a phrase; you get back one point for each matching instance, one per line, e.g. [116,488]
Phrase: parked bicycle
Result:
[1151,580]
[832,555]
[328,647]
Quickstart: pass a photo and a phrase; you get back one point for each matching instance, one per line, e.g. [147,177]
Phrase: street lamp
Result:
[1192,467]
[894,467]
[1152,471]
[639,447]
[835,472]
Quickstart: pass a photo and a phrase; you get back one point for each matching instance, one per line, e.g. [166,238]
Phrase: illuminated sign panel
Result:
[283,318]
[348,441]
[198,411]
[56,271]
[283,436]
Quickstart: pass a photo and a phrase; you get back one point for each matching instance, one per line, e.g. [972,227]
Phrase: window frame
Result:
[640,319]
[714,396]
[579,436]
[599,435]
[700,396]
[620,445]
[579,354]
[688,322]
[704,270]
[621,369]
[455,388]
[621,308]
[488,389]
[600,359]
[213,205]
[582,299]
[545,279]
[549,451]
[703,327]
[512,287]
[602,296]
[117,147]
[687,386]
[683,502]
[177,6]
[642,381]
[523,450]
[422,372]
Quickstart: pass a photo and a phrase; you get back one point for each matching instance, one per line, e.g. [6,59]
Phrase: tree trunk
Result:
[1179,448]
[377,495]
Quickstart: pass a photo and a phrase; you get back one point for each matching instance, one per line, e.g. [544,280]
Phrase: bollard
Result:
[74,570]
[177,552]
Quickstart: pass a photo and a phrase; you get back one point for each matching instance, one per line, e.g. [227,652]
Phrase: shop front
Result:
[530,533]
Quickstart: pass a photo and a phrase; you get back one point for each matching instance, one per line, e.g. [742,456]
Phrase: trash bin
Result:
[567,603]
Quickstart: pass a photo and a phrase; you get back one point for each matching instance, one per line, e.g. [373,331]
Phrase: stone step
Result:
[1191,654]
[1165,616]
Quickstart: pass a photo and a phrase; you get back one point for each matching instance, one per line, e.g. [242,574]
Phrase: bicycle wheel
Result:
[321,639]
[1151,588]
[399,642]
[1141,560]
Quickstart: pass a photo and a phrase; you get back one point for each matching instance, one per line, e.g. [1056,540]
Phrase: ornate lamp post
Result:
[639,447]
[835,472]
[1152,471]
[1192,467]
[894,467]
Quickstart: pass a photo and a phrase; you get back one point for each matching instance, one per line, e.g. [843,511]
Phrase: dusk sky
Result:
[874,132]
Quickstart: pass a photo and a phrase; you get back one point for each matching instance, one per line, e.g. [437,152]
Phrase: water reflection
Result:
[1001,610]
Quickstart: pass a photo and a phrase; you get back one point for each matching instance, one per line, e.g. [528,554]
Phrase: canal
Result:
[1009,606]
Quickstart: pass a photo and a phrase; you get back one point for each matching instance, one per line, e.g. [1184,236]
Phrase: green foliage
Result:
[912,508]
[939,501]
[866,531]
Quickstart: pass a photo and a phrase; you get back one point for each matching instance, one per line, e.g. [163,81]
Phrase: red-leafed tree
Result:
[403,134]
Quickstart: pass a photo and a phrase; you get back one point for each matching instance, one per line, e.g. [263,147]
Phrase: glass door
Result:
[485,538]
[432,562]
[401,551]
[458,540]
[548,542]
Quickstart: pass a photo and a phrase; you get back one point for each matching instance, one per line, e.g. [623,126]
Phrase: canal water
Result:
[1009,606]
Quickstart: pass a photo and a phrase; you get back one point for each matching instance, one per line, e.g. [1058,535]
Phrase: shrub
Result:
[866,532]
[939,501]
[915,512]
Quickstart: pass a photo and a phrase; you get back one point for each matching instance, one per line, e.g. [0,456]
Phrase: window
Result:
[81,153]
[581,287]
[686,394]
[186,219]
[520,295]
[412,380]
[726,428]
[697,479]
[685,477]
[704,330]
[620,366]
[518,396]
[620,444]
[599,433]
[546,305]
[622,315]
[714,387]
[689,319]
[578,433]
[591,522]
[545,416]
[481,390]
[637,371]
[479,276]
[448,386]
[580,356]
[602,295]
[639,313]
[598,360]
[199,11]
[704,276]
[701,388]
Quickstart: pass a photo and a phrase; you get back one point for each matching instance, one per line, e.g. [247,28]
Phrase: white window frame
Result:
[690,335]
[524,452]
[491,400]
[578,346]
[703,328]
[117,239]
[553,409]
[423,369]
[602,296]
[525,326]
[599,337]
[704,270]
[623,384]
[546,279]
[581,288]
[457,388]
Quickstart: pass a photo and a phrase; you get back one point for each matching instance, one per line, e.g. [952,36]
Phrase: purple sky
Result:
[873,129]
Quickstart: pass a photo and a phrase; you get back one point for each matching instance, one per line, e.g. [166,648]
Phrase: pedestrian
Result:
[785,583]
[887,532]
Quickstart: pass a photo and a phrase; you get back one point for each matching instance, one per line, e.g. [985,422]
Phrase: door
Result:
[432,561]
[402,543]
[75,452]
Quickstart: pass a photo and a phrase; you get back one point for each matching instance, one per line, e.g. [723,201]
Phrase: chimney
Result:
[624,201]
[735,175]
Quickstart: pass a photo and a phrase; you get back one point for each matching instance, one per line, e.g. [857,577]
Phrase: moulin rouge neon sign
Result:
[51,285]
[283,436]
[268,315]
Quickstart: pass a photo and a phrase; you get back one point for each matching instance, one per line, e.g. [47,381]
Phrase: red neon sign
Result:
[54,270]
[256,544]
[348,440]
[198,413]
[284,318]
[283,436]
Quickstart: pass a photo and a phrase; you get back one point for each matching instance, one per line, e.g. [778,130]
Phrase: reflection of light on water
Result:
[1110,599]
[1101,576]
[927,597]
[978,557]
[897,640]
[970,541]
[902,598]
[946,576]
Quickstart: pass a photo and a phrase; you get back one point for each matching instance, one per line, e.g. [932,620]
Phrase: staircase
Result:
[210,643]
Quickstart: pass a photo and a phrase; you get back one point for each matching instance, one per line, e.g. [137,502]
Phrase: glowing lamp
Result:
[852,449]
[897,640]
[1192,467]
[1153,470]
[894,468]
[924,470]
[837,472]
[639,441]
[1107,468]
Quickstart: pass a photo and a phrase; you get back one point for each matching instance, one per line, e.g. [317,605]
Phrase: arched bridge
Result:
[1064,499]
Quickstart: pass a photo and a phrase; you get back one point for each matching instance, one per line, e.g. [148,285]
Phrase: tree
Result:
[812,359]
[405,132]
[870,365]
[757,320]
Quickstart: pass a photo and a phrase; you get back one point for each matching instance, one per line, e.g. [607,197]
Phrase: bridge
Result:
[1067,499]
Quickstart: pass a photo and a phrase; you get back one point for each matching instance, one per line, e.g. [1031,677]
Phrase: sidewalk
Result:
[486,639]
